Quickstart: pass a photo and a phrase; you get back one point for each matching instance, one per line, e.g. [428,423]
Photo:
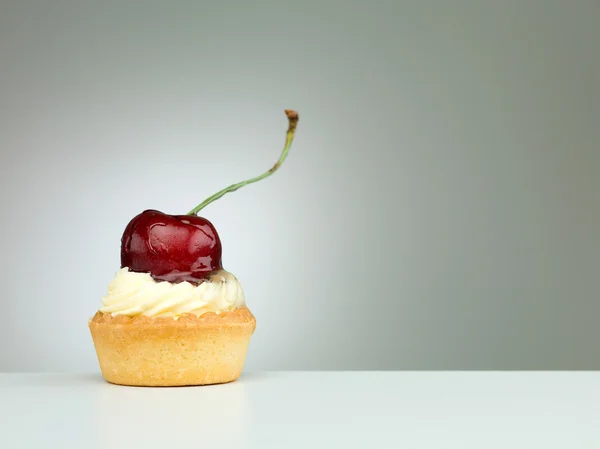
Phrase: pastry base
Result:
[164,352]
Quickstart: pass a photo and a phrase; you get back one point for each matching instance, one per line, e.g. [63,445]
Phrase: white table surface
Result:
[307,410]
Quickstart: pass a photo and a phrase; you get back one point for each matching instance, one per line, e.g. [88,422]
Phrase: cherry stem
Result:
[293,121]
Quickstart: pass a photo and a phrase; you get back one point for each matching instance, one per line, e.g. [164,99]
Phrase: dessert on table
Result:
[173,315]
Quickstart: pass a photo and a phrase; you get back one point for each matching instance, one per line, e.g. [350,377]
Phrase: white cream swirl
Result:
[133,294]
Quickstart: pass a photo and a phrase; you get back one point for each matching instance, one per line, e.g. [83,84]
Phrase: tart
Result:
[173,315]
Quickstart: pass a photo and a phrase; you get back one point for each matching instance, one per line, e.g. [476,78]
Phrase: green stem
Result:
[293,121]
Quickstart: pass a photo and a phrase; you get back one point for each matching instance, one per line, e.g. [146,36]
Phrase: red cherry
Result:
[171,248]
[177,248]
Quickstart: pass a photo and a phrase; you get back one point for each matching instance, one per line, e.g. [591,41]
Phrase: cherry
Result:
[171,248]
[178,248]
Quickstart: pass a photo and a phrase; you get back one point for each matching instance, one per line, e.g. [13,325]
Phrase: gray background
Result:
[439,208]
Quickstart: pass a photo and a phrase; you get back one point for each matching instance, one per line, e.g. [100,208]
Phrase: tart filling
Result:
[134,294]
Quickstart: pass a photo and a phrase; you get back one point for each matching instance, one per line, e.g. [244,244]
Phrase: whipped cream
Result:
[133,294]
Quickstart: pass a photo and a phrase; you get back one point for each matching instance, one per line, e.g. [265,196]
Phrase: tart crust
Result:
[164,351]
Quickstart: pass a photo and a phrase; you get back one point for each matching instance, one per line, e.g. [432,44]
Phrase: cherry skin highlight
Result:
[173,248]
